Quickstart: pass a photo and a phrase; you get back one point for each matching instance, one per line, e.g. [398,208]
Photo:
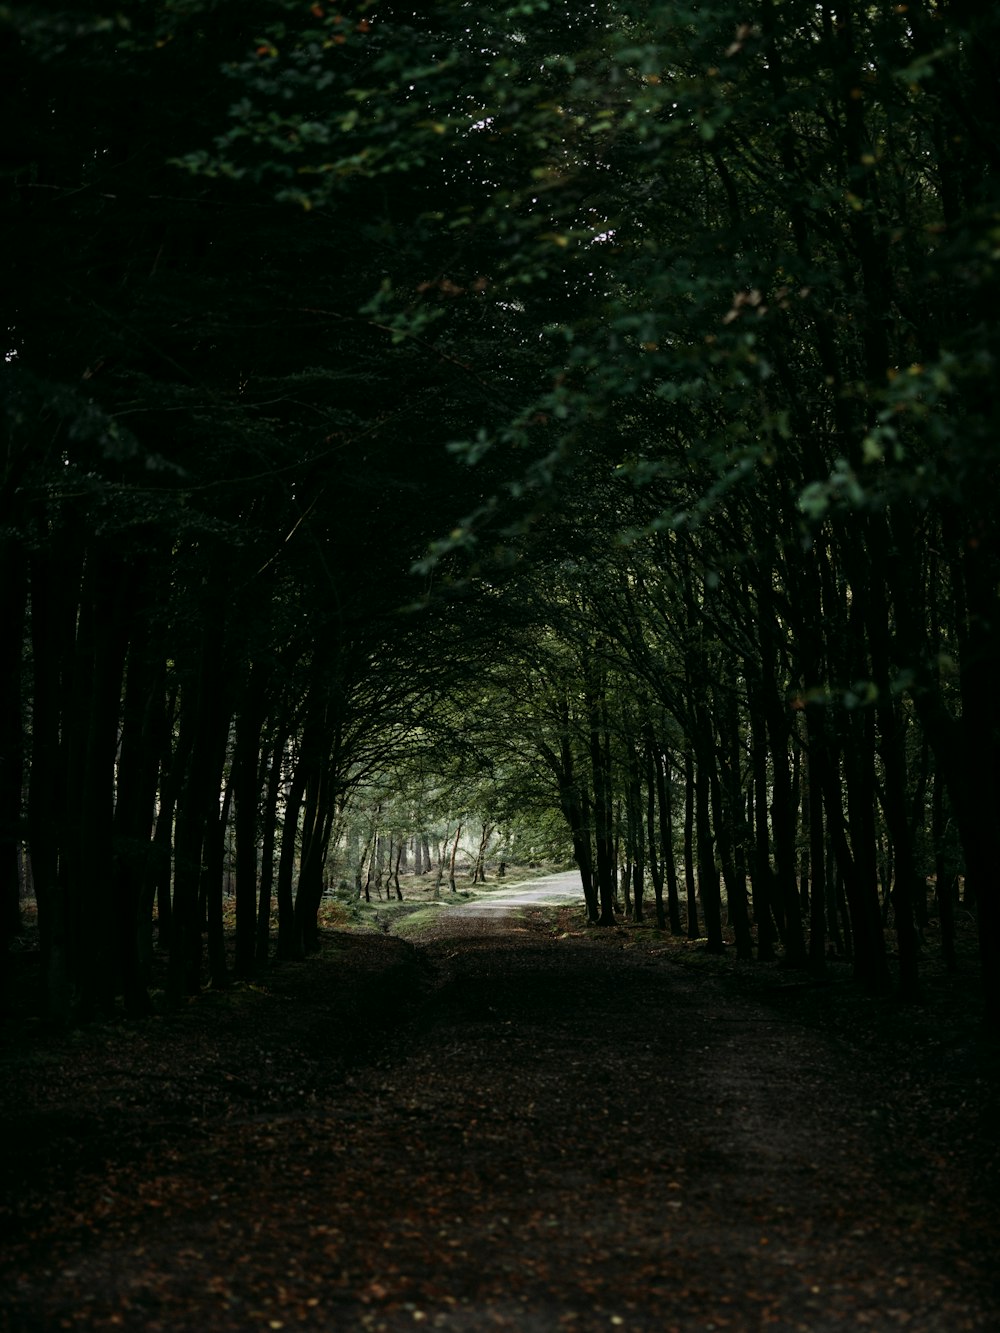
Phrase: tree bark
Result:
[13,599]
[246,793]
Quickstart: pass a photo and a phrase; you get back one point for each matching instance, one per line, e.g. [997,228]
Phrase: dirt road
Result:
[540,1133]
[501,910]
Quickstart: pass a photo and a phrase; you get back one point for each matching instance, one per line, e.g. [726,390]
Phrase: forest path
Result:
[572,1131]
[498,910]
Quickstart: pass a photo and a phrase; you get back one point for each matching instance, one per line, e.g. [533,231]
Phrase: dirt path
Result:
[501,910]
[568,1133]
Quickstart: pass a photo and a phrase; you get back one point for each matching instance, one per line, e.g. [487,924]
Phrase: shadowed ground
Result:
[527,1126]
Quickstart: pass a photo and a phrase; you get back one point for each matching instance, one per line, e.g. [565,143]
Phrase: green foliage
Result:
[658,343]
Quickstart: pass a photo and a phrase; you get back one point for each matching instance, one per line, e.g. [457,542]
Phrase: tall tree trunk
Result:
[817,862]
[980,669]
[945,878]
[862,886]
[13,598]
[211,887]
[138,766]
[288,945]
[664,800]
[269,821]
[246,792]
[655,863]
[184,969]
[454,854]
[603,813]
[783,827]
[573,804]
[90,731]
[55,571]
[709,889]
[479,871]
[317,822]
[690,879]
[762,878]
[173,766]
[728,817]
[207,713]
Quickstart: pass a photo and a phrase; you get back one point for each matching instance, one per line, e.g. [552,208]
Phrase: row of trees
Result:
[659,342]
[211,504]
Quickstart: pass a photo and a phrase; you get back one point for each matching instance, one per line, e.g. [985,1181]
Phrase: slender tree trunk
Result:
[246,792]
[479,871]
[173,766]
[783,826]
[184,970]
[316,823]
[99,665]
[817,861]
[573,804]
[709,890]
[395,874]
[269,821]
[53,574]
[945,878]
[287,946]
[981,728]
[690,880]
[454,854]
[664,797]
[213,860]
[208,712]
[762,880]
[656,865]
[726,806]
[868,944]
[13,598]
[138,766]
[603,815]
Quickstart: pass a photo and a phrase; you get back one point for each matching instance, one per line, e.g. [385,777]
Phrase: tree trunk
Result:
[573,804]
[727,813]
[945,878]
[762,879]
[868,944]
[89,758]
[783,827]
[664,798]
[184,969]
[213,860]
[287,945]
[173,766]
[269,821]
[138,767]
[817,863]
[13,598]
[709,890]
[603,815]
[246,793]
[53,573]
[690,882]
[454,854]
[656,865]
[395,874]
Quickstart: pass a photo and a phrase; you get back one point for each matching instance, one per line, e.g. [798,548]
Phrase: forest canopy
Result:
[577,420]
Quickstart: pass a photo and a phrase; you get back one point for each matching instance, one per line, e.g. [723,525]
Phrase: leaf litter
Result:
[542,1129]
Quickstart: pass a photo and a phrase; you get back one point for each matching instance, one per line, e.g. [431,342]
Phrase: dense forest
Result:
[573,422]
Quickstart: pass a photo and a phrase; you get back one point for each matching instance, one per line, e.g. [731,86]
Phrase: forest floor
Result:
[545,1127]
